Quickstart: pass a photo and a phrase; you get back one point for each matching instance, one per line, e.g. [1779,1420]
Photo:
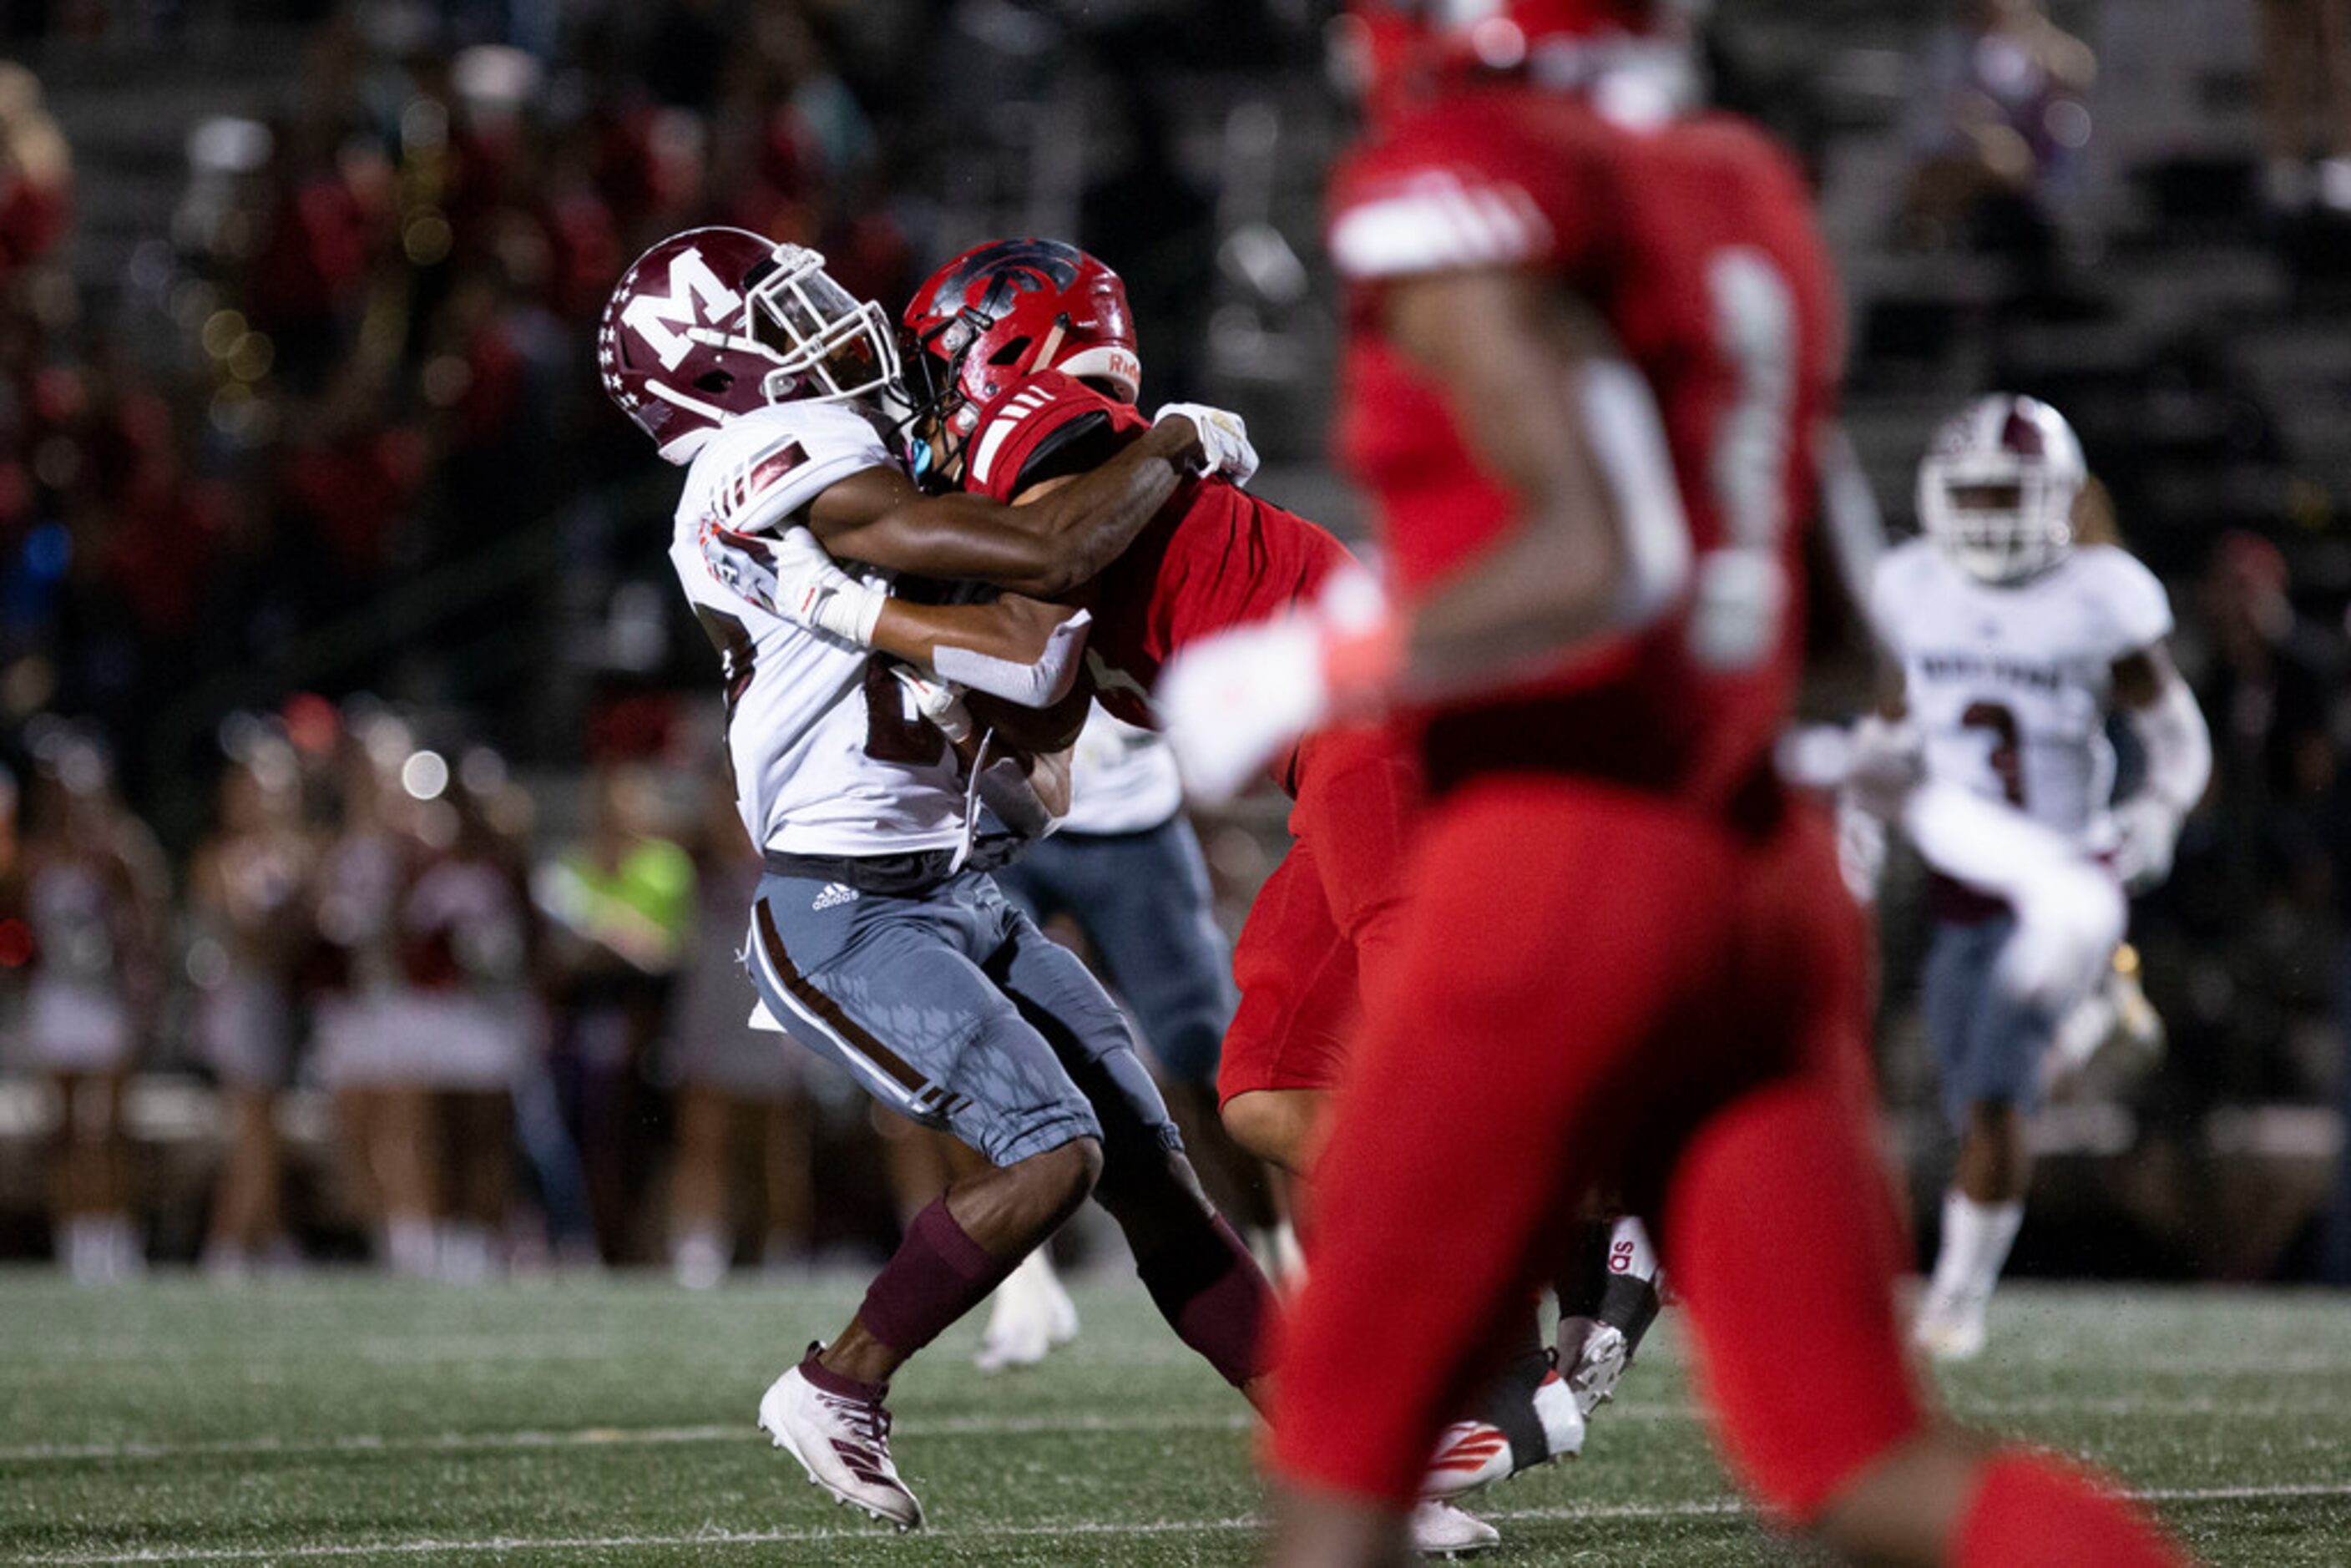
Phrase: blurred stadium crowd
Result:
[294,409]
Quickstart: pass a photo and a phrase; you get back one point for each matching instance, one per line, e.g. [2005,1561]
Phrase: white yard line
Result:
[596,1436]
[919,1428]
[513,1545]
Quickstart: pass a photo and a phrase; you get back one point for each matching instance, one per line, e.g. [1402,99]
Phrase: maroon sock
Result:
[937,1274]
[831,1382]
[1210,1291]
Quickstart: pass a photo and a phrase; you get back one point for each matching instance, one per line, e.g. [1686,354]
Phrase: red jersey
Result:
[1693,240]
[1215,556]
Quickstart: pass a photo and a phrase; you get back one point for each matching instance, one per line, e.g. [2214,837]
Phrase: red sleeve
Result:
[1025,420]
[1483,181]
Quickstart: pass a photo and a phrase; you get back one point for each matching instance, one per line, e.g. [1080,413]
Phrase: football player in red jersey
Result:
[1023,365]
[1590,337]
[1022,355]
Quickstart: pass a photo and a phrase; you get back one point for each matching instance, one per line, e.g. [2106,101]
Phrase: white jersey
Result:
[2011,686]
[798,733]
[1122,778]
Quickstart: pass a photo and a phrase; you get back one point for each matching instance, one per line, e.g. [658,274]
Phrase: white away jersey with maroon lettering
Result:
[2011,685]
[817,770]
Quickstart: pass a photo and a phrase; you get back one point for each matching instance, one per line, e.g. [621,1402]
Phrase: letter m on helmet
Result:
[696,296]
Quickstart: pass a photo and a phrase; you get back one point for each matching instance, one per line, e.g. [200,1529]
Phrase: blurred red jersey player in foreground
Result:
[1590,338]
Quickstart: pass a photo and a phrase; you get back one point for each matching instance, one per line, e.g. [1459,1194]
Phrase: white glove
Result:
[939,701]
[1224,446]
[1888,761]
[2069,910]
[2147,830]
[1229,703]
[811,590]
[1861,848]
[2069,917]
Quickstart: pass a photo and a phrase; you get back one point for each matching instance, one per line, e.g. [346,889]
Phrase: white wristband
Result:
[849,610]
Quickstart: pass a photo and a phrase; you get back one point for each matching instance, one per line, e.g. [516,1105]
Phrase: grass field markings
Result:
[1708,1507]
[917,1428]
[598,1436]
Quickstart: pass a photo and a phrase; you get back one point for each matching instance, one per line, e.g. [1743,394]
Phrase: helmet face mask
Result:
[827,345]
[1996,492]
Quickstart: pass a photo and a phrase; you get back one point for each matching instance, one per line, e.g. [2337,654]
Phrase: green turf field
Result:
[350,1420]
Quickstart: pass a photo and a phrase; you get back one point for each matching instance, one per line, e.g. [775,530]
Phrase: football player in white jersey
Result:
[876,937]
[2014,644]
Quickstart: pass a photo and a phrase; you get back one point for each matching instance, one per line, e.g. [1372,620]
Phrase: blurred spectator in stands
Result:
[305,283]
[2237,942]
[2306,103]
[91,897]
[467,937]
[361,1011]
[736,1085]
[1997,127]
[1141,207]
[2267,680]
[247,923]
[618,905]
[349,477]
[36,173]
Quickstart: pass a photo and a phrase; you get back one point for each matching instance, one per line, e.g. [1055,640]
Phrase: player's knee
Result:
[1064,1176]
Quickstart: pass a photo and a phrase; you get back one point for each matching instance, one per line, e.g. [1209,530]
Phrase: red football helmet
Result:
[1555,43]
[715,322]
[1006,309]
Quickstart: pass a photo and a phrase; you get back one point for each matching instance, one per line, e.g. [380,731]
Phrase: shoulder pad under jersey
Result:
[2129,599]
[765,465]
[1013,428]
[1455,187]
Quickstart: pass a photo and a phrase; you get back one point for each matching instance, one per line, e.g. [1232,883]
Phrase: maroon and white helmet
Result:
[715,322]
[1996,491]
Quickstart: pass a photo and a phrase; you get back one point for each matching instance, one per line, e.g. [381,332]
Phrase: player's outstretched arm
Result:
[1022,650]
[2171,732]
[1062,542]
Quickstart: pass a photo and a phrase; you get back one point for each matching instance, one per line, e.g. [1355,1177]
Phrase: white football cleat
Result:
[1441,1530]
[1469,1455]
[1600,1361]
[1560,1409]
[1472,1453]
[1950,1327]
[1030,1314]
[1062,1313]
[842,1443]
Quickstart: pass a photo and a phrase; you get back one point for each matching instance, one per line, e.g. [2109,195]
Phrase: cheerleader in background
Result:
[93,893]
[249,923]
[733,1081]
[466,936]
[367,1040]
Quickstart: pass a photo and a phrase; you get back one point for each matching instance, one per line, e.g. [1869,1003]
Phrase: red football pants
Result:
[1603,989]
[1332,912]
